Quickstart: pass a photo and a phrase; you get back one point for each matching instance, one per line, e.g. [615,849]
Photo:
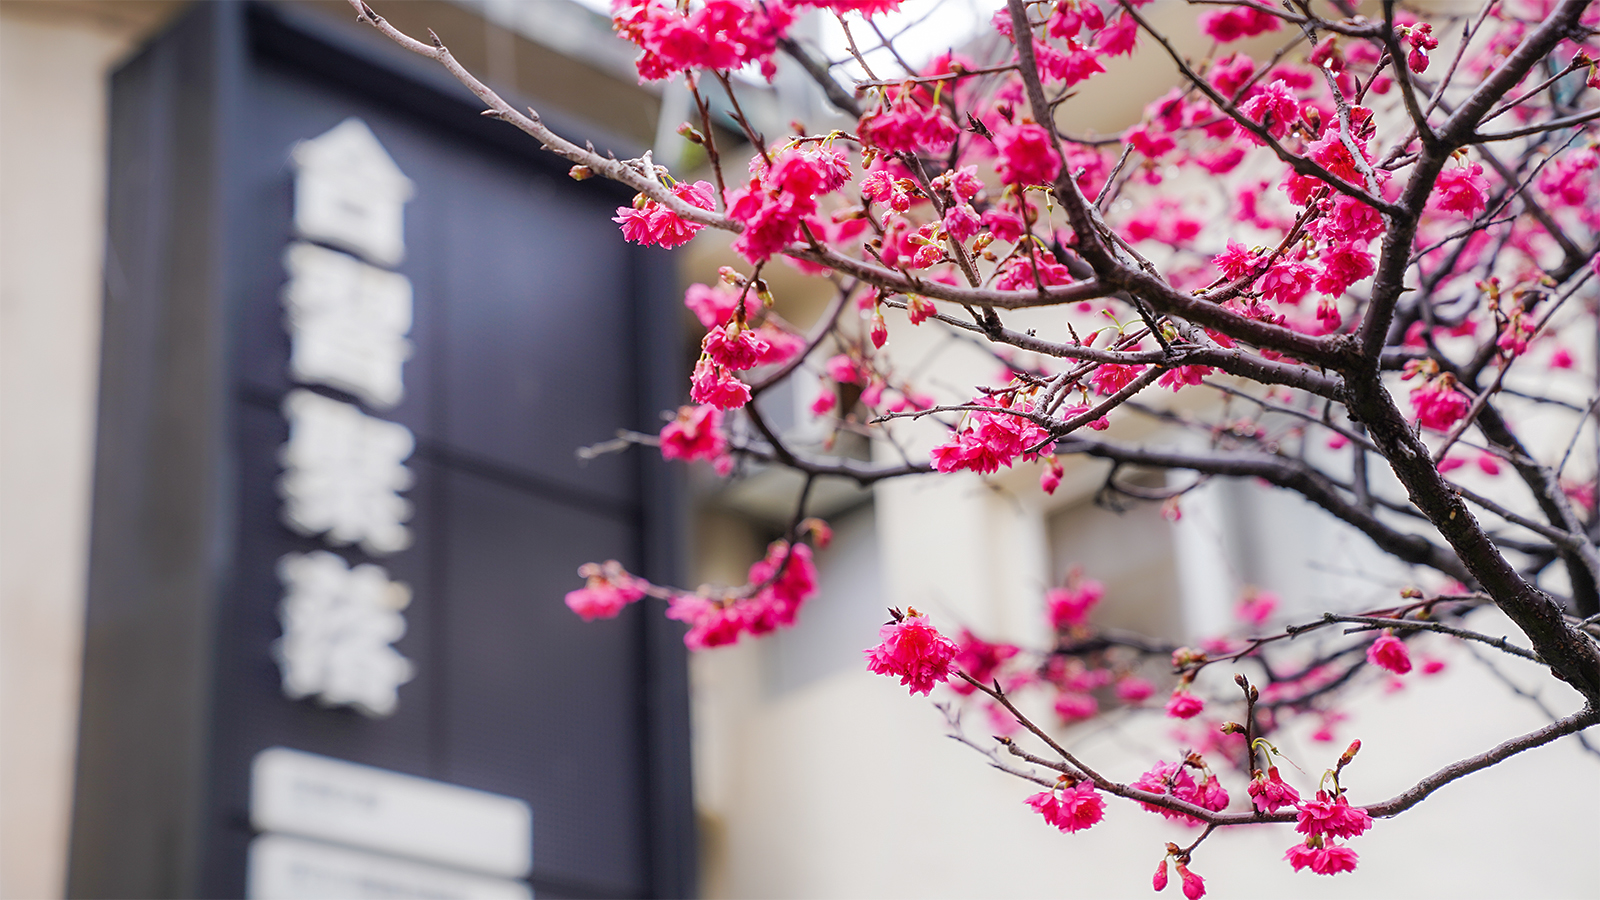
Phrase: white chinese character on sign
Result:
[349,192]
[338,623]
[343,472]
[348,322]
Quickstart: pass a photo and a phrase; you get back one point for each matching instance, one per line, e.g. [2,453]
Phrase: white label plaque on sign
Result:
[328,799]
[287,868]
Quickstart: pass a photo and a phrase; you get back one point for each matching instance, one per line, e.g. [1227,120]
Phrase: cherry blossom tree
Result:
[1403,262]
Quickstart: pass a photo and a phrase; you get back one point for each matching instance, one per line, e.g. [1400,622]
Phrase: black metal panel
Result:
[507,647]
[160,534]
[536,330]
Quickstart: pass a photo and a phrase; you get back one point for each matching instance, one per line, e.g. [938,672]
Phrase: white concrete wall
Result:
[54,61]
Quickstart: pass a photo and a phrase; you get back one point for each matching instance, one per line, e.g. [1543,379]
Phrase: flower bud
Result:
[821,534]
[691,134]
[580,173]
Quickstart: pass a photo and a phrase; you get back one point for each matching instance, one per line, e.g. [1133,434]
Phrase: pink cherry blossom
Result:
[1050,478]
[1184,705]
[1026,156]
[845,370]
[1071,67]
[1235,23]
[608,590]
[1070,606]
[1159,882]
[771,220]
[1119,37]
[1438,404]
[717,386]
[1152,144]
[714,305]
[881,186]
[722,34]
[712,623]
[980,659]
[1323,860]
[1230,73]
[1256,607]
[1274,107]
[1174,779]
[1270,792]
[1570,179]
[1006,225]
[1133,689]
[992,440]
[1336,818]
[1071,16]
[781,582]
[734,347]
[1176,379]
[650,223]
[1421,39]
[1075,809]
[879,331]
[1390,652]
[1348,219]
[1461,190]
[695,434]
[962,222]
[907,126]
[1108,378]
[1328,314]
[788,578]
[1287,282]
[1075,707]
[1020,274]
[915,651]
[1344,264]
[1235,262]
[1194,887]
[1513,341]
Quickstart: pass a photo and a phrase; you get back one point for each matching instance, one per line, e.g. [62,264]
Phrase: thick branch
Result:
[1572,657]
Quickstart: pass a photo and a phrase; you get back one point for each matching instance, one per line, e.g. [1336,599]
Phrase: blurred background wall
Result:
[55,61]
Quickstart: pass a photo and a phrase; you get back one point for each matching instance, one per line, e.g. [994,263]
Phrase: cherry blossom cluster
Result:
[1314,227]
[782,582]
[1085,667]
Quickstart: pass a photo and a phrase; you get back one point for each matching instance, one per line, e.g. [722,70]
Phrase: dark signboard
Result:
[525,339]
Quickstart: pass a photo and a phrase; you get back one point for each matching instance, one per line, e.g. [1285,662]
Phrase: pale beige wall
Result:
[54,61]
